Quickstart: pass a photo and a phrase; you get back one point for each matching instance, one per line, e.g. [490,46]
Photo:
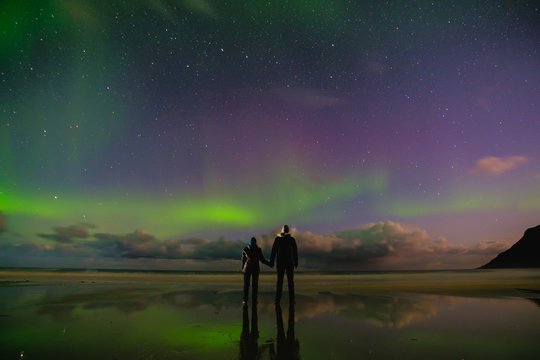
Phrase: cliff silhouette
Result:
[523,254]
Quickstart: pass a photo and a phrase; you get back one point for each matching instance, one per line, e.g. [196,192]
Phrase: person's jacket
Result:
[286,251]
[251,255]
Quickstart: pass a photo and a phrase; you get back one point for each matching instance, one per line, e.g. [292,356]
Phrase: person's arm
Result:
[244,258]
[263,260]
[295,253]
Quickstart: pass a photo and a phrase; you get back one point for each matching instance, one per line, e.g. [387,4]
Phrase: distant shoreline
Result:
[203,272]
[492,282]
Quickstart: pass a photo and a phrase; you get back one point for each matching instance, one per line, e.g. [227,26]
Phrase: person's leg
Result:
[255,288]
[281,341]
[254,321]
[279,284]
[247,275]
[290,283]
[290,327]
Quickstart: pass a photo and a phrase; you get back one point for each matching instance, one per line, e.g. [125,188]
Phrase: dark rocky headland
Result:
[523,254]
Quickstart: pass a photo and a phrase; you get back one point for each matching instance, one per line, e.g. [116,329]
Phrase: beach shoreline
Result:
[474,282]
[444,314]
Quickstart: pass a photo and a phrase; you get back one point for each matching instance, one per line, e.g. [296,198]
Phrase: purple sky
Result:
[130,130]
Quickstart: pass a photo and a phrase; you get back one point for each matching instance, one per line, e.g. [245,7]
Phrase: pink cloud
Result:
[488,247]
[492,165]
[374,242]
[389,245]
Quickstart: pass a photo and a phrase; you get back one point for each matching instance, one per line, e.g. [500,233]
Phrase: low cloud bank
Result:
[375,246]
[140,244]
[388,245]
[67,234]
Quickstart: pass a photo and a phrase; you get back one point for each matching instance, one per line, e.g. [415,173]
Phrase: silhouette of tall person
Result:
[287,346]
[287,260]
[251,255]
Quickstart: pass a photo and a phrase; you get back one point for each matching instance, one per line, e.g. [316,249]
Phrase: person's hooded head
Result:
[252,241]
[284,230]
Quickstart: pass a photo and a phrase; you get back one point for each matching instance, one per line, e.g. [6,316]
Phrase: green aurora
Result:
[180,214]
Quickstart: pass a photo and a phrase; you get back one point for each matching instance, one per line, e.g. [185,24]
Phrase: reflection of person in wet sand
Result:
[251,255]
[287,347]
[287,260]
[249,348]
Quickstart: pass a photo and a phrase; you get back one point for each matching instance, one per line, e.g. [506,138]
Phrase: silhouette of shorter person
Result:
[287,260]
[251,255]
[287,346]
[249,347]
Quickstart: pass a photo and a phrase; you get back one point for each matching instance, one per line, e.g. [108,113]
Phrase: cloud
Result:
[492,165]
[220,249]
[133,245]
[375,246]
[140,244]
[488,247]
[67,234]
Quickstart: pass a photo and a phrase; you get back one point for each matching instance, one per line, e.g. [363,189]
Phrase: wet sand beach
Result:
[488,314]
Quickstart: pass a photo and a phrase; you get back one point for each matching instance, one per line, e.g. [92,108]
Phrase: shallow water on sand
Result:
[145,320]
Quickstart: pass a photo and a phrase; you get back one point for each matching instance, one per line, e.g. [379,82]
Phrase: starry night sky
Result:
[163,134]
